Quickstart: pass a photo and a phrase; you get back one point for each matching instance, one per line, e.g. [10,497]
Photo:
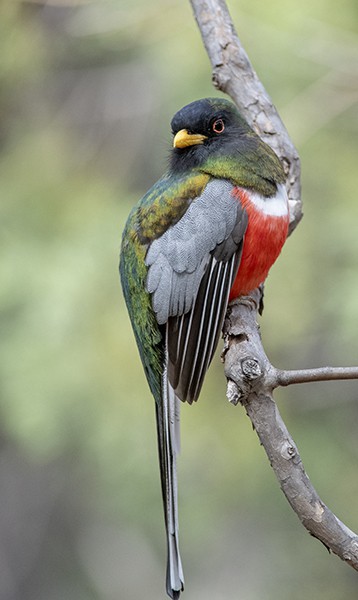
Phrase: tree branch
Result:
[251,377]
[283,378]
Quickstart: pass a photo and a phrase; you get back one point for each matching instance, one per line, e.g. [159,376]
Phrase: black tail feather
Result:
[167,413]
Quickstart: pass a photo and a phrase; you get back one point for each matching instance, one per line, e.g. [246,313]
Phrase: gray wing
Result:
[191,268]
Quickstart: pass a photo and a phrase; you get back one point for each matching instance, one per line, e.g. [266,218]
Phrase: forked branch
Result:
[251,377]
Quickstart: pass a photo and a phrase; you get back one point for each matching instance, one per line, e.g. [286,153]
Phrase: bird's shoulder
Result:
[165,204]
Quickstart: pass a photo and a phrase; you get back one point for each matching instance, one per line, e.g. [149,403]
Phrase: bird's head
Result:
[207,128]
[210,135]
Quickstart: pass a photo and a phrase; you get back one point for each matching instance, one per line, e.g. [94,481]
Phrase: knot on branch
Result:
[246,364]
[248,372]
[251,368]
[350,554]
[288,451]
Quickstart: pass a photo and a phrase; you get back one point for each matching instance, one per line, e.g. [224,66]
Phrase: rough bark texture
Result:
[251,377]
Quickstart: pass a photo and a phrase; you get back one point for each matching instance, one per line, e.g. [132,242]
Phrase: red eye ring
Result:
[218,126]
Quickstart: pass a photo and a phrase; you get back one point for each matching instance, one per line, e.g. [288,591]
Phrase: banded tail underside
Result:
[168,429]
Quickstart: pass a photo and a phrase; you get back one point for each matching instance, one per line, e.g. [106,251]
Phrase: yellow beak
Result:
[183,139]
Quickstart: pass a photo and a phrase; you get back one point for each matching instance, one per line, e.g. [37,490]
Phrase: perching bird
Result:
[207,232]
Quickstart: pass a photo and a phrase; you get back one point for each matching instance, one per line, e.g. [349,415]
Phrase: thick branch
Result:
[250,376]
[234,75]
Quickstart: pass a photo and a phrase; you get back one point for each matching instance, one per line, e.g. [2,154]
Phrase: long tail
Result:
[168,416]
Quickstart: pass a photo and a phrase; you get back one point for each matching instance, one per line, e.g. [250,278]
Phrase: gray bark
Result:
[251,377]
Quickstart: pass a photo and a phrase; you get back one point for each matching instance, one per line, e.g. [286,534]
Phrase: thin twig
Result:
[284,378]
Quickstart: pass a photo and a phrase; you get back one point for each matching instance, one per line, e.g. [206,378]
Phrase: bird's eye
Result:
[218,126]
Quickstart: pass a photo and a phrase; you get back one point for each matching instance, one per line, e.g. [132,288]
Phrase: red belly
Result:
[264,238]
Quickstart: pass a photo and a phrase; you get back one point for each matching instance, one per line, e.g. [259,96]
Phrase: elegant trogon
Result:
[207,232]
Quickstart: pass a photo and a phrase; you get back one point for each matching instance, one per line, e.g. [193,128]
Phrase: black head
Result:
[205,128]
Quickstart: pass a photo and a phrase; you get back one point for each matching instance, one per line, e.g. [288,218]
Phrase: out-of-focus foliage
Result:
[87,93]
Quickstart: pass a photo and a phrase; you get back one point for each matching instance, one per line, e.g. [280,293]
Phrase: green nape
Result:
[258,168]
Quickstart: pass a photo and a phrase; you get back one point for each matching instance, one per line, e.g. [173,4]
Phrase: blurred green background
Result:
[86,97]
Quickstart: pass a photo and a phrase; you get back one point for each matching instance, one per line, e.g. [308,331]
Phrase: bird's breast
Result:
[265,235]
